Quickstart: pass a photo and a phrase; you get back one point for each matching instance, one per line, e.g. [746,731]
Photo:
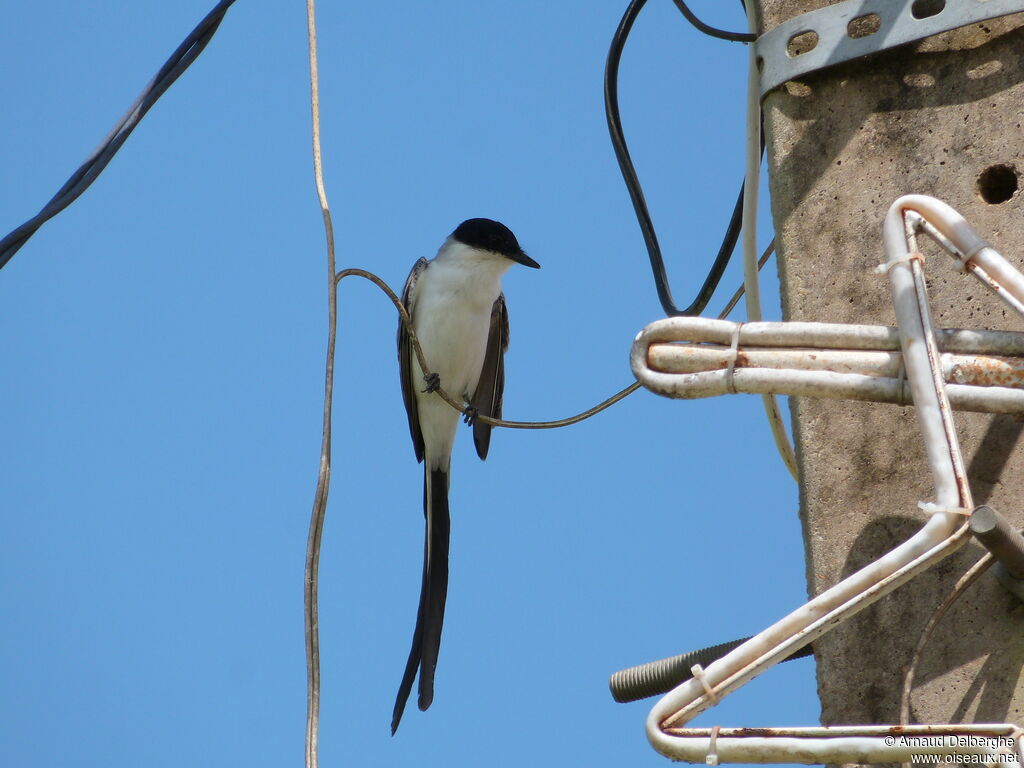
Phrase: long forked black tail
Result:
[426,639]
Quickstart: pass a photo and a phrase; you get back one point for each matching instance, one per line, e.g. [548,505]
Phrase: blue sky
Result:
[163,343]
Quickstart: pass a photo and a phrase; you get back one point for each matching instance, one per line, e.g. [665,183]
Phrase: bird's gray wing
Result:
[405,358]
[491,387]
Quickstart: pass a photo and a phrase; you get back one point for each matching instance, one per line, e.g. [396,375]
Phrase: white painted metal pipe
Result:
[1001,743]
[943,533]
[973,250]
[977,370]
[858,362]
[825,335]
[846,386]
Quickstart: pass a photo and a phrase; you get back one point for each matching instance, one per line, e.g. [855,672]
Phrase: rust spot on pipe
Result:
[989,371]
[755,732]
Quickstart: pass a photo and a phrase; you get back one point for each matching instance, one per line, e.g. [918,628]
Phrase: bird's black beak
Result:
[526,261]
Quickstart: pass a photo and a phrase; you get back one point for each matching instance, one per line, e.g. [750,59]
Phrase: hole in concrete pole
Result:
[998,183]
[922,9]
[801,43]
[864,25]
[986,69]
[919,80]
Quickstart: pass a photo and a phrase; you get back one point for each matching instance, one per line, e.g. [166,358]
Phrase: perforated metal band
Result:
[896,25]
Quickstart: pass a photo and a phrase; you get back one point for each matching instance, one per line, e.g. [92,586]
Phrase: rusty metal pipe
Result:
[691,357]
[994,533]
[944,532]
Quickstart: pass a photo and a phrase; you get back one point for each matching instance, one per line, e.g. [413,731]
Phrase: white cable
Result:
[750,274]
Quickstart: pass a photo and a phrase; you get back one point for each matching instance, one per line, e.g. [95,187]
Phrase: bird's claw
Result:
[433,382]
[470,415]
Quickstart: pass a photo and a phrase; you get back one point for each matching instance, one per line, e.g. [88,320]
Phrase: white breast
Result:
[451,315]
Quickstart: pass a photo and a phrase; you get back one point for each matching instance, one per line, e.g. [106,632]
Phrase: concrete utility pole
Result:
[945,118]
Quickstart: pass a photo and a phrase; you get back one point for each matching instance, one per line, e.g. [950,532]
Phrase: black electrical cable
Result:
[721,34]
[80,180]
[629,175]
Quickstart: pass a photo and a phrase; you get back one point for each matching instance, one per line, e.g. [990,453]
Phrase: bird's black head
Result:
[490,235]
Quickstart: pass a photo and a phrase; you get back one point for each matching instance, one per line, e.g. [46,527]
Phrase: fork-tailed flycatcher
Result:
[459,315]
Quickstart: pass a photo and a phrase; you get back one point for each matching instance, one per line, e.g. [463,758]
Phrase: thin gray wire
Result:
[323,483]
[462,408]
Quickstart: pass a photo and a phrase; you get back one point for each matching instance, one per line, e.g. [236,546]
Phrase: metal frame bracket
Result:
[891,23]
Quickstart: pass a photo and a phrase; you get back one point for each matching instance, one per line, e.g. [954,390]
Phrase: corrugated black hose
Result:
[657,677]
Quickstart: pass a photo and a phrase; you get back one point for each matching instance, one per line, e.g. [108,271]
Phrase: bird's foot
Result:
[433,382]
[469,416]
